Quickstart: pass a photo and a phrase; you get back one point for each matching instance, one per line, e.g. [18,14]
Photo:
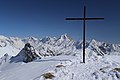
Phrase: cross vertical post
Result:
[84,35]
[84,28]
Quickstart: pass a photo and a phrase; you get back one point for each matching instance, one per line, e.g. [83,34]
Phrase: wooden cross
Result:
[84,27]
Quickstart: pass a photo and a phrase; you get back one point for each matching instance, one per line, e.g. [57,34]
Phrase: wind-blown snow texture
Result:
[62,57]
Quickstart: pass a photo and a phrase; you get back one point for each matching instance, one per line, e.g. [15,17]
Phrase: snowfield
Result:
[32,70]
[59,59]
[72,68]
[92,70]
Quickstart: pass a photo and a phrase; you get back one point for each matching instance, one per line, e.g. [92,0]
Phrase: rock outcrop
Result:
[27,54]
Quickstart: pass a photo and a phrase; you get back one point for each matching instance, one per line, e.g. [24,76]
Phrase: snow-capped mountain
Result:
[49,46]
[26,59]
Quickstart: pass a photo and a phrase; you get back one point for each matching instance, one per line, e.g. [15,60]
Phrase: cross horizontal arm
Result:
[84,18]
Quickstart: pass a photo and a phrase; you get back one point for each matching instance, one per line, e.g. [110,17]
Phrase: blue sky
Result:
[42,18]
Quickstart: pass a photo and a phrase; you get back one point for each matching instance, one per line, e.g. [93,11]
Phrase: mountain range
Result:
[50,46]
[59,58]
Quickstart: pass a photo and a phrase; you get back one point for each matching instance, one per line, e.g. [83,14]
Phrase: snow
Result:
[95,68]
[114,58]
[62,57]
[9,50]
[88,71]
[31,70]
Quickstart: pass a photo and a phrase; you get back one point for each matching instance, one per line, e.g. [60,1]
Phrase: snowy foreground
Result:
[60,58]
[32,70]
[64,68]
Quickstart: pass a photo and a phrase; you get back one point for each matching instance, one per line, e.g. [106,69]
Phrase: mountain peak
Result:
[46,39]
[27,54]
[93,40]
[3,37]
[65,37]
[32,38]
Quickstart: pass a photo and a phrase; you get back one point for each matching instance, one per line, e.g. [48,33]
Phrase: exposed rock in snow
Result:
[27,54]
[4,59]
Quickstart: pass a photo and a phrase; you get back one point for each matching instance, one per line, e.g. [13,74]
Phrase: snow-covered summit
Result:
[64,37]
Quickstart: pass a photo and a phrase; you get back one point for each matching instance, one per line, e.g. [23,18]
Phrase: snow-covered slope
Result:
[32,70]
[64,68]
[98,69]
[9,45]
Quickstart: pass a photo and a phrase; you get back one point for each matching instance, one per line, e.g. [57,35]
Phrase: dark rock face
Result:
[30,53]
[27,54]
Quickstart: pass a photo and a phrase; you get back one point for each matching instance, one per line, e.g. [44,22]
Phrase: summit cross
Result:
[84,27]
